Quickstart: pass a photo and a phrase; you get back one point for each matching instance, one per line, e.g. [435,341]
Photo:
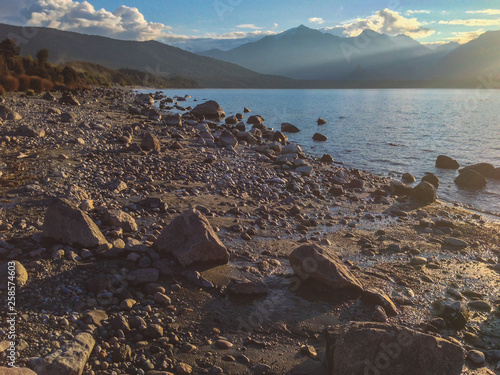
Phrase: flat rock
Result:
[66,223]
[382,348]
[315,262]
[70,360]
[191,239]
[452,241]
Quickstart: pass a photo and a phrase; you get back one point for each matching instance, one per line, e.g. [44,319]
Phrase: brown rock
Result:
[21,276]
[150,142]
[209,110]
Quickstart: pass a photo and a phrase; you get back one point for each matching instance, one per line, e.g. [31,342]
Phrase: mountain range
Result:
[297,58]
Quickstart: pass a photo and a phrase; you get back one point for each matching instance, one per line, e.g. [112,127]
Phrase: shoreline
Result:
[133,171]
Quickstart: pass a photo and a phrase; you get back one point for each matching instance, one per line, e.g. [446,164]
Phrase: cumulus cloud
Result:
[472,22]
[485,11]
[316,20]
[389,22]
[465,36]
[124,23]
[248,26]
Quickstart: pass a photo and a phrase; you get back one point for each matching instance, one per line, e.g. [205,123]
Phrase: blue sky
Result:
[174,20]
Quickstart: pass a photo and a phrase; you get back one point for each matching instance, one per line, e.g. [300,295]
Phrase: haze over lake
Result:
[385,131]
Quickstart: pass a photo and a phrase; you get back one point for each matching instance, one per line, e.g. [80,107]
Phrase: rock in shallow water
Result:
[445,162]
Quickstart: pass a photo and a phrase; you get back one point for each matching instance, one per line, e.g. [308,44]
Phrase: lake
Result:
[384,131]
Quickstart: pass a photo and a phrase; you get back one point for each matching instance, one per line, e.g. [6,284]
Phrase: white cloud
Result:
[486,11]
[472,22]
[386,21]
[410,12]
[466,36]
[124,23]
[316,20]
[248,26]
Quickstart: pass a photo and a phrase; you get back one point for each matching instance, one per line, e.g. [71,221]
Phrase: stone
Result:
[379,315]
[143,276]
[67,117]
[445,162]
[67,98]
[336,191]
[248,288]
[21,276]
[456,314]
[153,331]
[120,219]
[305,170]
[49,97]
[16,371]
[231,120]
[227,139]
[8,114]
[418,261]
[316,263]
[480,306]
[476,356]
[321,121]
[95,317]
[383,348]
[162,299]
[121,354]
[291,149]
[67,224]
[183,369]
[470,179]
[318,137]
[455,242]
[210,110]
[191,239]
[432,179]
[308,351]
[31,131]
[485,169]
[286,127]
[327,159]
[424,192]
[378,297]
[398,188]
[150,142]
[255,119]
[70,360]
[223,344]
[408,178]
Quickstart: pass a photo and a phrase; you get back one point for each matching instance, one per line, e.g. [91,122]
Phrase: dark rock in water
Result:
[485,169]
[319,137]
[69,360]
[496,174]
[256,119]
[289,128]
[424,192]
[456,314]
[209,110]
[408,178]
[316,263]
[279,137]
[231,120]
[471,179]
[150,142]
[246,110]
[67,98]
[432,179]
[65,223]
[445,162]
[382,348]
[191,239]
[321,121]
[327,158]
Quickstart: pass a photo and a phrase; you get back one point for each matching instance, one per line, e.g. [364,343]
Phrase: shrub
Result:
[24,82]
[2,91]
[10,83]
[47,85]
[36,84]
[30,92]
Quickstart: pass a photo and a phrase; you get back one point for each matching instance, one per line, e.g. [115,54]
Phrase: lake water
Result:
[388,132]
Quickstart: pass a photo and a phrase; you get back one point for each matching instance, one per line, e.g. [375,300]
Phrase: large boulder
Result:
[485,169]
[380,348]
[471,179]
[120,219]
[445,162]
[209,110]
[424,192]
[21,276]
[286,127]
[255,119]
[316,263]
[70,360]
[150,142]
[65,223]
[191,239]
[432,179]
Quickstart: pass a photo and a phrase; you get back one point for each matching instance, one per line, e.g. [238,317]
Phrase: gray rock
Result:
[227,139]
[305,170]
[292,148]
[70,360]
[476,356]
[191,239]
[150,142]
[315,262]
[65,223]
[21,276]
[120,219]
[382,348]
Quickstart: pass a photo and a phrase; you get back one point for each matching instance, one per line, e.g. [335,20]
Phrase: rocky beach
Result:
[146,242]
